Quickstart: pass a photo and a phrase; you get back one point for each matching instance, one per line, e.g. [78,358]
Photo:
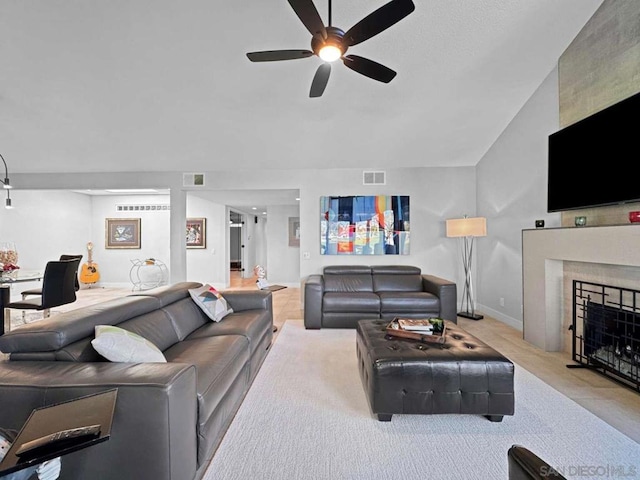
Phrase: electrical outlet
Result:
[306,255]
[502,301]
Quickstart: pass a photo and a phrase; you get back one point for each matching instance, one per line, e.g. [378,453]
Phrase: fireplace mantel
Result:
[543,254]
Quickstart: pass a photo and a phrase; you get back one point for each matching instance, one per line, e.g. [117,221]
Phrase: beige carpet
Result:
[306,417]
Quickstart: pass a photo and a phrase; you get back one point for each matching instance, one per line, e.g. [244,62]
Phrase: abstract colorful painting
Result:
[364,225]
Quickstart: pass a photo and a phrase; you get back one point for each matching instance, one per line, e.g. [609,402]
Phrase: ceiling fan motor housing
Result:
[334,38]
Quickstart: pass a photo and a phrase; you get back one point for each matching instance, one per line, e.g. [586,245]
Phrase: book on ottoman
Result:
[415,325]
[435,335]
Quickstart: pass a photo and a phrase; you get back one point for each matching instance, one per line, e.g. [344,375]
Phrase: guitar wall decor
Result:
[89,272]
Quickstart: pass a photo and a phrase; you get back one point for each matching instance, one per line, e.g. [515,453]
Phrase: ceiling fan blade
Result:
[276,55]
[369,68]
[320,80]
[308,14]
[378,21]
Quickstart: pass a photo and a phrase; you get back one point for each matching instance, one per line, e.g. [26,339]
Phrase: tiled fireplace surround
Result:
[554,257]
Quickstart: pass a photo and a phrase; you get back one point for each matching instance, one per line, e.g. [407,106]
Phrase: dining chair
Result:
[58,288]
[38,291]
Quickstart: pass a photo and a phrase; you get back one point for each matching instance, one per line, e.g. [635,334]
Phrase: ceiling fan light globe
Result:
[330,53]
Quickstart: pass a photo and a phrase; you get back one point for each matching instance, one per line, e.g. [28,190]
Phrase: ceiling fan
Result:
[331,43]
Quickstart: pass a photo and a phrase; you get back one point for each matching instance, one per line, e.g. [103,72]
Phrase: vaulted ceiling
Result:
[159,85]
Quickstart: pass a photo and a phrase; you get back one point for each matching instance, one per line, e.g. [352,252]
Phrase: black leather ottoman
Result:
[463,375]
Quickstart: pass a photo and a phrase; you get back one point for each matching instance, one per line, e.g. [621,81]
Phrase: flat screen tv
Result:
[596,161]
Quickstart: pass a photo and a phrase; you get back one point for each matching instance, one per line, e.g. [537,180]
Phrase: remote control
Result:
[49,443]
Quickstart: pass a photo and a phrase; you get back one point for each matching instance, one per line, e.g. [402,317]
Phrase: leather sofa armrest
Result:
[140,445]
[249,300]
[313,291]
[446,291]
[526,465]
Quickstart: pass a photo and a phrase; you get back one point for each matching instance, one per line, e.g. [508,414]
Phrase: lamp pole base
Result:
[472,316]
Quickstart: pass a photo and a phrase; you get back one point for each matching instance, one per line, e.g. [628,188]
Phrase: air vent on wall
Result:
[193,179]
[374,178]
[141,208]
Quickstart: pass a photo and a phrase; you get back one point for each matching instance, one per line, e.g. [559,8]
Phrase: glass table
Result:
[6,280]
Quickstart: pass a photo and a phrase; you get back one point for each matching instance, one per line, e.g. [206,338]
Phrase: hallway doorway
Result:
[236,242]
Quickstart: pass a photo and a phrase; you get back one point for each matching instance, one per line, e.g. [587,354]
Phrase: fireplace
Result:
[606,331]
[545,251]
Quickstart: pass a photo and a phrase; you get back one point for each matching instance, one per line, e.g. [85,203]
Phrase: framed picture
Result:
[294,231]
[196,233]
[364,225]
[122,233]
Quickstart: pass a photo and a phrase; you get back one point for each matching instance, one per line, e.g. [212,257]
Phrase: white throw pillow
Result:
[119,345]
[211,302]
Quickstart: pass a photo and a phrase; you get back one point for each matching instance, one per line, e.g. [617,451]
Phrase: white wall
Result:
[283,261]
[47,223]
[512,189]
[250,239]
[260,242]
[208,265]
[435,195]
[115,265]
[44,225]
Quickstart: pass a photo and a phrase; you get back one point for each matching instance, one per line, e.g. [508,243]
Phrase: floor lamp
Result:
[467,229]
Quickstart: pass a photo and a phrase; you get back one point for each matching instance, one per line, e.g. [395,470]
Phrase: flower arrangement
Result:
[8,257]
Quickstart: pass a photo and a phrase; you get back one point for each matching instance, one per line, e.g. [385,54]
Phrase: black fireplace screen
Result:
[606,330]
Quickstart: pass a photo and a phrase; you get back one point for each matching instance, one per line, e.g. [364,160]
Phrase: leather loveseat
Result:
[169,417]
[344,294]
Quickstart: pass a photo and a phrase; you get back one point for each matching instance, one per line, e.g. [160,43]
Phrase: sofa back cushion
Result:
[186,316]
[154,326]
[347,278]
[179,307]
[80,351]
[396,278]
[56,332]
[169,293]
[163,316]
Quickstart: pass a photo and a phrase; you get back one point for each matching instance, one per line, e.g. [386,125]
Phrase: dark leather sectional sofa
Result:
[169,417]
[344,294]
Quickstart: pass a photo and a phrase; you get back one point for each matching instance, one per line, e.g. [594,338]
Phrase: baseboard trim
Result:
[512,322]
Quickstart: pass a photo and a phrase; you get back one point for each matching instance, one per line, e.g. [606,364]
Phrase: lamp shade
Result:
[467,227]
